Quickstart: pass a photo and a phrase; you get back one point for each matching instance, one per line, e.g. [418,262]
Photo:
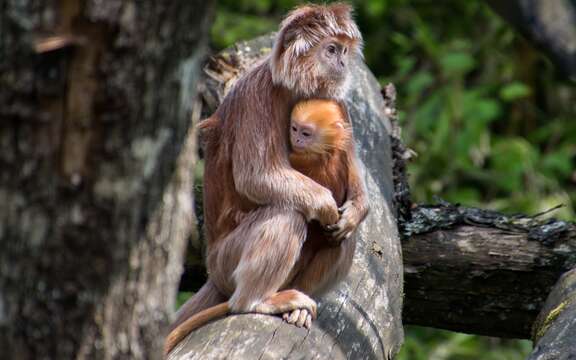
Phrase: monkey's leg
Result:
[319,271]
[269,241]
[207,296]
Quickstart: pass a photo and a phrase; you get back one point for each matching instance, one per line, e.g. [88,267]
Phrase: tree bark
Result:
[481,272]
[553,332]
[95,105]
[361,318]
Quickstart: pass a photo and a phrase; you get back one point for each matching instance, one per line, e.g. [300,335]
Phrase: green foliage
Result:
[182,297]
[491,123]
[430,344]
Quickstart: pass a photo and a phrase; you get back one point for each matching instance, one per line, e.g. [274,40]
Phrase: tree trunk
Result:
[555,328]
[481,272]
[95,105]
[360,319]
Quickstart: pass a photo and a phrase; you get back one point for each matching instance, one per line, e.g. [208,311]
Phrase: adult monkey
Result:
[250,257]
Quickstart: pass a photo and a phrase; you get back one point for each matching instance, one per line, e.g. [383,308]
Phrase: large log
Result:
[361,318]
[95,105]
[479,271]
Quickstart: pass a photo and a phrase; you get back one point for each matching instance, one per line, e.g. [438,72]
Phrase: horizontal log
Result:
[479,271]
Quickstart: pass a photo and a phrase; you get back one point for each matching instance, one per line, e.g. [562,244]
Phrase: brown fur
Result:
[256,206]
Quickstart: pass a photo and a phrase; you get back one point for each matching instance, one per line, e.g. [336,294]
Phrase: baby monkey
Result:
[322,149]
[321,136]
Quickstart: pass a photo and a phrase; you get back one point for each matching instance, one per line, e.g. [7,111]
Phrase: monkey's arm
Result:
[263,174]
[355,207]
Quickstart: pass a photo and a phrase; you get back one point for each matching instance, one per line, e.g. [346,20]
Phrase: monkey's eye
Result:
[294,128]
[345,50]
[306,134]
[331,49]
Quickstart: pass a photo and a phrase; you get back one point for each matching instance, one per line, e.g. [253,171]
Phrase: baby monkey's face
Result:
[317,127]
[303,136]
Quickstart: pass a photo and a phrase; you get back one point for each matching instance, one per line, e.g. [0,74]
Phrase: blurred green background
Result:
[492,123]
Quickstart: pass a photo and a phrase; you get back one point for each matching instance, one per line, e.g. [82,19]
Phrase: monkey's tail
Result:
[193,323]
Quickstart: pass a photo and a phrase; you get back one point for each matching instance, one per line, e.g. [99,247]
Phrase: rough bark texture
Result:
[361,318]
[95,105]
[555,328]
[550,25]
[481,272]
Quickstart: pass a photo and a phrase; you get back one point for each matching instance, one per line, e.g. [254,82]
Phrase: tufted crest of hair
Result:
[327,117]
[304,28]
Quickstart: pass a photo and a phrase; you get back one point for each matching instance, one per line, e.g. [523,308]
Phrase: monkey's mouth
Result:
[298,149]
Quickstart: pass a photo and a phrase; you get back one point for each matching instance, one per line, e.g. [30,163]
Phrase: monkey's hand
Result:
[325,209]
[349,220]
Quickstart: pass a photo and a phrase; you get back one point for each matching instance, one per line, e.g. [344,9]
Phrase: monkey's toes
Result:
[304,315]
[294,316]
[299,318]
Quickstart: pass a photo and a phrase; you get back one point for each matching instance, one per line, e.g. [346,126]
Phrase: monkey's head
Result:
[317,127]
[313,50]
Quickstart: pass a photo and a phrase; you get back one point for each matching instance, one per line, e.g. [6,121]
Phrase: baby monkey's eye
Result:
[294,128]
[306,134]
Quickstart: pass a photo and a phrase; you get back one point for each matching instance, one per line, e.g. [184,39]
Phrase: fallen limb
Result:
[479,271]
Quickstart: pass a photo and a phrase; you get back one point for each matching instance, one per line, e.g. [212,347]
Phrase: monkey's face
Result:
[333,57]
[303,136]
[312,51]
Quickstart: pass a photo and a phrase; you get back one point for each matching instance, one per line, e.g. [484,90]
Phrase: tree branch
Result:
[481,272]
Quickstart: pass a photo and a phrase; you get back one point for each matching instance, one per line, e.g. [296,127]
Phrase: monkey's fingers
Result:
[343,233]
[304,314]
[348,204]
[308,323]
[332,227]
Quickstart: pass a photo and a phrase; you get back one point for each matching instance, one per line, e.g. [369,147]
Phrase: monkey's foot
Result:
[298,317]
[297,308]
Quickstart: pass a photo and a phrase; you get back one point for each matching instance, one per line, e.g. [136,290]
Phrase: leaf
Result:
[515,91]
[457,62]
[558,164]
[419,82]
[511,158]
